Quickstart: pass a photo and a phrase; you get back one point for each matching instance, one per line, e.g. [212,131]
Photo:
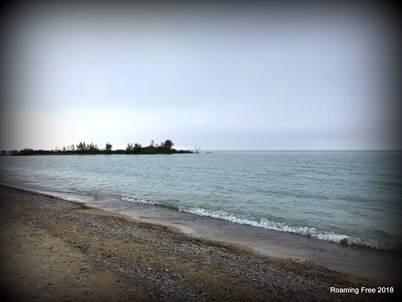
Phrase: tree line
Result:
[165,147]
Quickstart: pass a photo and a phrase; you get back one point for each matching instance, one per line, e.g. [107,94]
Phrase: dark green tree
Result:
[108,148]
[27,151]
[93,148]
[129,148]
[82,147]
[137,148]
[167,145]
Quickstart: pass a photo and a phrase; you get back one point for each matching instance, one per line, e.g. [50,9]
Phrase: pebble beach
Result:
[57,250]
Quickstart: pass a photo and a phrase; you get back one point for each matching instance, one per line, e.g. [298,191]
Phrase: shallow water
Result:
[350,199]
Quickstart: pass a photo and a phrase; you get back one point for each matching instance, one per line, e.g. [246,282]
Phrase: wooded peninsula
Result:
[165,147]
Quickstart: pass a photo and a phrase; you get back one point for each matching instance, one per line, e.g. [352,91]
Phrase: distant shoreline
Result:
[28,152]
[165,147]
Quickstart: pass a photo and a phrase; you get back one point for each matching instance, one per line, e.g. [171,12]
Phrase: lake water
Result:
[347,198]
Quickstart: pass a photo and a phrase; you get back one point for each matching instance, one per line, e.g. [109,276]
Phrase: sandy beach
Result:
[57,250]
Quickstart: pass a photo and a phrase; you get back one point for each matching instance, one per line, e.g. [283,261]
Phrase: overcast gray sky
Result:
[271,77]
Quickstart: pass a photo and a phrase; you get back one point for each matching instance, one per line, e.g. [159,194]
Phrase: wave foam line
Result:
[150,202]
[283,227]
[270,225]
[141,200]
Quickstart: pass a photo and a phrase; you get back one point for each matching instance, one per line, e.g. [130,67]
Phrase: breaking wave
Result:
[269,224]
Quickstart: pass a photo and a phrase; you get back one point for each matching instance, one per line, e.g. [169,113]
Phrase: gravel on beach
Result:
[57,250]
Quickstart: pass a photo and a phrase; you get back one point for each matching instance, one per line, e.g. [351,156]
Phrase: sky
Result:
[220,78]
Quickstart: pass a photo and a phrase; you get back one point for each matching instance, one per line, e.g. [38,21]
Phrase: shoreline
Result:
[147,261]
[357,260]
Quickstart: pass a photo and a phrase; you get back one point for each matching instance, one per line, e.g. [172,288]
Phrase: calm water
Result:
[351,198]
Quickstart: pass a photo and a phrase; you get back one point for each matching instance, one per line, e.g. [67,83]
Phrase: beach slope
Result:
[56,250]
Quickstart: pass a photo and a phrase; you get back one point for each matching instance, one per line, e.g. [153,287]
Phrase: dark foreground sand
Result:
[56,250]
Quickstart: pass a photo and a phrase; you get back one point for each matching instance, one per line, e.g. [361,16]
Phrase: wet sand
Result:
[57,250]
[359,260]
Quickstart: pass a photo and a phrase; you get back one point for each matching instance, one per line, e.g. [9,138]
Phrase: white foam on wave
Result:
[283,227]
[140,200]
[269,224]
